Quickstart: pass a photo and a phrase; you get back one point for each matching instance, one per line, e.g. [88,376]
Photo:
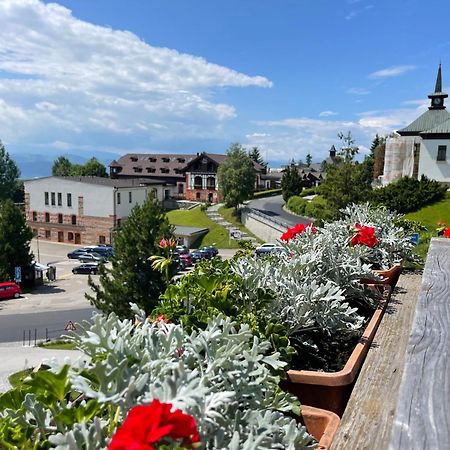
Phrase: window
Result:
[53,199]
[48,234]
[35,232]
[47,217]
[60,218]
[119,222]
[70,236]
[101,240]
[59,199]
[152,159]
[137,169]
[180,188]
[134,159]
[69,200]
[74,220]
[197,195]
[442,153]
[46,197]
[165,159]
[34,216]
[118,198]
[165,170]
[130,197]
[198,183]
[181,160]
[151,170]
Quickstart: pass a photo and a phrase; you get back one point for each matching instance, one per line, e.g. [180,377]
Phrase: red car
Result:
[10,290]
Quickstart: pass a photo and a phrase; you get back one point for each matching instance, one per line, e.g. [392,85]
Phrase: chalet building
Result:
[422,147]
[84,210]
[193,177]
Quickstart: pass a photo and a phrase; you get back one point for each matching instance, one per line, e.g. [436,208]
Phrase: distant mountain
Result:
[33,165]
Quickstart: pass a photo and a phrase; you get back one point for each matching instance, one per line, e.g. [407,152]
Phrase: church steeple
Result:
[437,97]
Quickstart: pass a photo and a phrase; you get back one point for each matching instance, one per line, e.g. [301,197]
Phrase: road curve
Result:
[273,206]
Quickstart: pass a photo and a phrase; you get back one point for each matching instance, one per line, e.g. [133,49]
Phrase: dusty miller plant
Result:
[394,243]
[222,376]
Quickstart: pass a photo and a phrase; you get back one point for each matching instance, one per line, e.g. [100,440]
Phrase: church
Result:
[421,147]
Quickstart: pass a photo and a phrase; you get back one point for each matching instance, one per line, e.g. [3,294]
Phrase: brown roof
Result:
[166,165]
[118,183]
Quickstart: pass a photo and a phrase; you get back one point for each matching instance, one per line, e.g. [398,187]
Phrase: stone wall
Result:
[262,225]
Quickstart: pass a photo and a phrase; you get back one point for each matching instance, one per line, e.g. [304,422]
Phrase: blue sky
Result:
[107,77]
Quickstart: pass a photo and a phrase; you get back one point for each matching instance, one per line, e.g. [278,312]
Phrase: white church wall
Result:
[428,164]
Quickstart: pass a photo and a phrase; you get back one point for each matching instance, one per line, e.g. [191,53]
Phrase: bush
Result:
[319,209]
[409,194]
[204,206]
[268,193]
[309,191]
[297,205]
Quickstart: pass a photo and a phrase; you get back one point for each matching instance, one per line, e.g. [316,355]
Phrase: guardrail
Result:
[268,217]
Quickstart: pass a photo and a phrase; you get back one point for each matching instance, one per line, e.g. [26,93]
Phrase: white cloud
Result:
[296,137]
[358,91]
[327,113]
[64,78]
[393,71]
[356,12]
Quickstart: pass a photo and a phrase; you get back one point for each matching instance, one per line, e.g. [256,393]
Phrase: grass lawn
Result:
[430,216]
[195,217]
[58,345]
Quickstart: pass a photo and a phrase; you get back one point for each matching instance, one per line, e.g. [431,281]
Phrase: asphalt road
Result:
[273,206]
[12,326]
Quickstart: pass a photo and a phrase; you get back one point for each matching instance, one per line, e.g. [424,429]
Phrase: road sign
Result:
[18,274]
[70,326]
[415,238]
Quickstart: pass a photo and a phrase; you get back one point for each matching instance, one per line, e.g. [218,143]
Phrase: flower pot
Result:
[390,276]
[331,390]
[321,424]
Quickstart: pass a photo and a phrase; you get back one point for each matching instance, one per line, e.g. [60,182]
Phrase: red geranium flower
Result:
[364,236]
[294,231]
[146,425]
[447,233]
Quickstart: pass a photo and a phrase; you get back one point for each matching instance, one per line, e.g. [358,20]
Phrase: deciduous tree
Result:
[236,176]
[15,238]
[131,277]
[62,167]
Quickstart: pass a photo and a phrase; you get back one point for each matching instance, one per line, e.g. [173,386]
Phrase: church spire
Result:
[438,88]
[437,97]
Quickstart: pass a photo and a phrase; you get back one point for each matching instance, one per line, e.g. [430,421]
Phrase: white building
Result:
[421,148]
[84,210]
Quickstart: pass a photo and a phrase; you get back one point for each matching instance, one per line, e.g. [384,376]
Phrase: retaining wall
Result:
[262,225]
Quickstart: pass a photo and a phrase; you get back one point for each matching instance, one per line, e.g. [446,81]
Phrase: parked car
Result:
[187,261]
[77,253]
[10,290]
[181,250]
[86,268]
[210,250]
[92,257]
[267,249]
[106,252]
[197,255]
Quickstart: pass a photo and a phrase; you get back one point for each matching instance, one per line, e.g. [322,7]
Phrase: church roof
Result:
[426,122]
[442,128]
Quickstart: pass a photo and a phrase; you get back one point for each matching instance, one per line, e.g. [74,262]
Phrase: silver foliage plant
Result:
[314,283]
[223,376]
[394,243]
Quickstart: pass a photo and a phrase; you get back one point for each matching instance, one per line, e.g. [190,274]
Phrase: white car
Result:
[267,249]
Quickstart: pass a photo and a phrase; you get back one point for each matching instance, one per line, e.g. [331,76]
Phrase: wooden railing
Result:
[401,398]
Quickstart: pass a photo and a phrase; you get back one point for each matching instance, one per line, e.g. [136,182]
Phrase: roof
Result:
[152,164]
[442,128]
[100,181]
[427,121]
[188,231]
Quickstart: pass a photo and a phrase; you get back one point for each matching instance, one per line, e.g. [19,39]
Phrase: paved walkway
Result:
[213,213]
[15,358]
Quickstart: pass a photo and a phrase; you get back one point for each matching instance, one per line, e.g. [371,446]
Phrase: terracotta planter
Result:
[331,390]
[321,424]
[390,276]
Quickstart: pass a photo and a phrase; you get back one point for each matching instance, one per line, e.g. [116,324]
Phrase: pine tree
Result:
[291,183]
[255,155]
[308,159]
[9,173]
[131,277]
[15,238]
[236,176]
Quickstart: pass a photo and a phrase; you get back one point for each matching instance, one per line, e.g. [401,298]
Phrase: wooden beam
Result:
[422,419]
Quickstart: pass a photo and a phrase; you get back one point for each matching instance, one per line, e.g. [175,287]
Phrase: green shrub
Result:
[204,206]
[409,194]
[309,191]
[297,205]
[319,209]
[267,193]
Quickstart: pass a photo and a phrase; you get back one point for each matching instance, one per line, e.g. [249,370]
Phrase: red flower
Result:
[294,231]
[447,233]
[146,425]
[364,236]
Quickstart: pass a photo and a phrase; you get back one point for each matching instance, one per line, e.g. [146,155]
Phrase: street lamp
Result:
[37,244]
